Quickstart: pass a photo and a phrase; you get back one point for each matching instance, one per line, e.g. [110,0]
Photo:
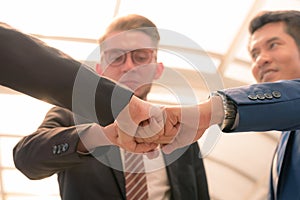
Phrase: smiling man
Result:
[272,104]
[274,53]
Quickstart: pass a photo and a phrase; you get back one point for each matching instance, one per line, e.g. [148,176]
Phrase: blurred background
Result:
[237,164]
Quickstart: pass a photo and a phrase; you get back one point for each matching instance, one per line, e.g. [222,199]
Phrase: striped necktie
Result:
[135,177]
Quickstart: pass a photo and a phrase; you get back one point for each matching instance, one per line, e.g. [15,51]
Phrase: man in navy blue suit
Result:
[275,51]
[273,104]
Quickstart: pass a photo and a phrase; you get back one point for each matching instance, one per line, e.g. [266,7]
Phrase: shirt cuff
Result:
[93,137]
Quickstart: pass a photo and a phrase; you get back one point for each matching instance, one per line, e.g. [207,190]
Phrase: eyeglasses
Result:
[117,57]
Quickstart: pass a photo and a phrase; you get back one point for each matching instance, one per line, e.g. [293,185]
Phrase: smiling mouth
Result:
[267,73]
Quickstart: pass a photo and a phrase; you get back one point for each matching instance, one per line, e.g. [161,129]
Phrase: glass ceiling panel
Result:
[240,73]
[84,51]
[242,53]
[282,5]
[205,22]
[73,18]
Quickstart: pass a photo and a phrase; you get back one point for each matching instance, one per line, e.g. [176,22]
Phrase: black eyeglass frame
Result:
[120,56]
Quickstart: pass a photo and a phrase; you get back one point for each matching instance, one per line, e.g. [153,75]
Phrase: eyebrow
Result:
[272,39]
[267,42]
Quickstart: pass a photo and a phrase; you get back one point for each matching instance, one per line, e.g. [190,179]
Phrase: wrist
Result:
[229,112]
[217,111]
[205,110]
[93,136]
[127,119]
[137,109]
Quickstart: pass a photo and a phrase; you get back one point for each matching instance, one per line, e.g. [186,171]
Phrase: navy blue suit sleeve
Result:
[267,106]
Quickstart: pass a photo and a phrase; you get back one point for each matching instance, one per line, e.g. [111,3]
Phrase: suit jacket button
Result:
[252,96]
[65,147]
[276,94]
[268,95]
[260,96]
[59,149]
[54,149]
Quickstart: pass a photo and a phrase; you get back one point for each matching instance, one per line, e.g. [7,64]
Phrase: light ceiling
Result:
[74,26]
[238,165]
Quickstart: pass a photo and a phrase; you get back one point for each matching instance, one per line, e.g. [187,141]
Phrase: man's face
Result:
[130,58]
[274,54]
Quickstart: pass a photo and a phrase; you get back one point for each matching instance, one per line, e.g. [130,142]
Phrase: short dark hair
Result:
[291,19]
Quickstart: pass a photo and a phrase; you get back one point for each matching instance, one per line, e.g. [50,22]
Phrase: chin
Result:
[142,92]
[271,79]
[141,96]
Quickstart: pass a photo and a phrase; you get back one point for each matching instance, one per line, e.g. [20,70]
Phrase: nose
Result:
[259,63]
[128,64]
[263,59]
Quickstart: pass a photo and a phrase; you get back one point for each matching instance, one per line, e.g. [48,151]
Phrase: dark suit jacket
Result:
[52,149]
[31,67]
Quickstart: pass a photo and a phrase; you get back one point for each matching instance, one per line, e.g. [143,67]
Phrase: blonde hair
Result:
[133,22]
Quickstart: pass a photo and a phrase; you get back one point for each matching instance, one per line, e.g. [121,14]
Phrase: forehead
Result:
[128,40]
[267,32]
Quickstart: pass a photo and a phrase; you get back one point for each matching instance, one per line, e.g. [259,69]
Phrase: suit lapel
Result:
[113,157]
[173,181]
[171,162]
[283,163]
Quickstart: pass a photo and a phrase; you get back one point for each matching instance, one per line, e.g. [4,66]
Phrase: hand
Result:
[125,141]
[139,112]
[139,119]
[181,128]
[93,135]
[185,124]
[128,143]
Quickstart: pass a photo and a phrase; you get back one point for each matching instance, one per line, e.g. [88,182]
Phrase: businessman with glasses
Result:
[90,169]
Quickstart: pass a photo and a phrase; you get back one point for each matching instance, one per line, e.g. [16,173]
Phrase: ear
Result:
[99,69]
[159,70]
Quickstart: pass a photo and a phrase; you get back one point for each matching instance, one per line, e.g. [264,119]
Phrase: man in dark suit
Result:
[30,66]
[80,152]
